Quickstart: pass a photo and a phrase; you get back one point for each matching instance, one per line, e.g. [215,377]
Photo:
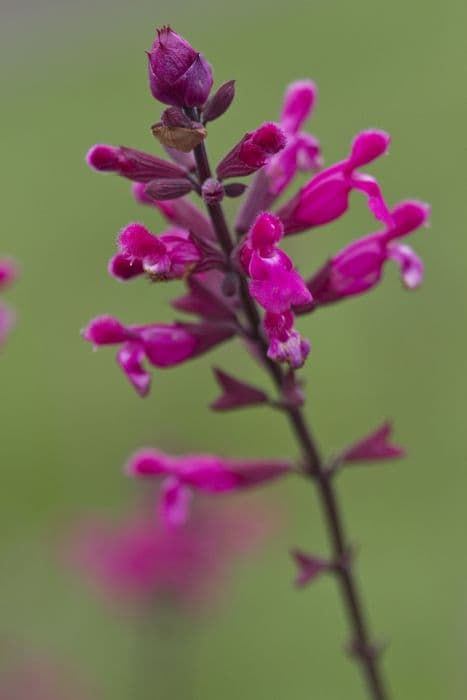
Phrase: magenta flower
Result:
[301,153]
[359,266]
[205,473]
[162,345]
[140,562]
[172,255]
[275,284]
[178,75]
[326,197]
[8,274]
[285,342]
[277,287]
[253,152]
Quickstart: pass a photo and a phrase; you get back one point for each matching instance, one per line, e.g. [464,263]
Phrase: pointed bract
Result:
[374,447]
[220,102]
[309,567]
[236,394]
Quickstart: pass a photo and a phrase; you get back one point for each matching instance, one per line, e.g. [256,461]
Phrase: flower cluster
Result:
[248,287]
[8,274]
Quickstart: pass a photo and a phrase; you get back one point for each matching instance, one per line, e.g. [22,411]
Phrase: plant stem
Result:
[361,646]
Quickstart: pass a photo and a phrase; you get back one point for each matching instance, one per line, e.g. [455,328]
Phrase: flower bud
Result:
[219,102]
[252,152]
[164,189]
[132,164]
[178,75]
[212,191]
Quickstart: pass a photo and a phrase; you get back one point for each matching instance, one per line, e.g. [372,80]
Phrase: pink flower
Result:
[277,287]
[171,255]
[359,266]
[205,473]
[285,342]
[162,345]
[8,274]
[178,75]
[326,197]
[252,152]
[275,284]
[139,561]
[302,152]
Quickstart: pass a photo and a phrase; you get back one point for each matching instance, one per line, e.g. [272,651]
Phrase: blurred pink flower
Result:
[8,274]
[138,561]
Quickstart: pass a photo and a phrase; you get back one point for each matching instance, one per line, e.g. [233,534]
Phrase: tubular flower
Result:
[171,255]
[326,197]
[162,345]
[205,473]
[277,287]
[302,152]
[359,266]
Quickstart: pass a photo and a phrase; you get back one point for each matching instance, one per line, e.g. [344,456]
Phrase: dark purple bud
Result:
[252,152]
[212,191]
[236,394]
[178,75]
[168,189]
[132,164]
[375,446]
[220,102]
[235,189]
[309,567]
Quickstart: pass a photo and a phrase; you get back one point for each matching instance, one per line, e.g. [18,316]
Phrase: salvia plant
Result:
[241,284]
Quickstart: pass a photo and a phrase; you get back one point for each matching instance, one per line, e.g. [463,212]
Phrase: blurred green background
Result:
[73,74]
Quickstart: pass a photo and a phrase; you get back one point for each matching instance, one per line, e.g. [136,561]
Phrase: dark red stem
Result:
[361,646]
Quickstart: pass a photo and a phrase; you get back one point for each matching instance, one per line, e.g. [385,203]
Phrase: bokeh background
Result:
[73,74]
